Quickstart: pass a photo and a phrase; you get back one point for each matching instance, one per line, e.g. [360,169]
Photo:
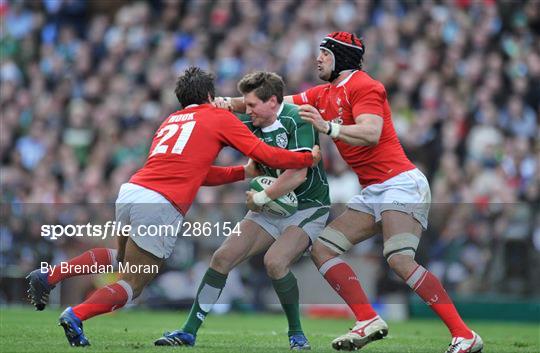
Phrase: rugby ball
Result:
[284,206]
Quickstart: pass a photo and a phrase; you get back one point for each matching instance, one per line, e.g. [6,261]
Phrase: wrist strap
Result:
[334,133]
[333,130]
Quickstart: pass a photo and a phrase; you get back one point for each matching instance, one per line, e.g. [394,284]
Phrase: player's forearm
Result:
[224,175]
[287,182]
[238,105]
[359,135]
[279,158]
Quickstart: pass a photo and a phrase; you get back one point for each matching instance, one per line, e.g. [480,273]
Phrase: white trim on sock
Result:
[207,297]
[128,290]
[417,277]
[329,264]
[112,257]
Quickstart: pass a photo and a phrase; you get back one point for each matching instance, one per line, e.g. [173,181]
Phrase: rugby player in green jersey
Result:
[283,240]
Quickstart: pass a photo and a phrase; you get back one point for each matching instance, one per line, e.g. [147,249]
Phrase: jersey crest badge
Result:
[282,140]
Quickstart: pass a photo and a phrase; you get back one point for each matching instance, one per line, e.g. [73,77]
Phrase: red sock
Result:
[98,256]
[104,300]
[430,289]
[344,281]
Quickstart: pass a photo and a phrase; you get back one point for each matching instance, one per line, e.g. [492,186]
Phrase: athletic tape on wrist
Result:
[260,198]
[334,130]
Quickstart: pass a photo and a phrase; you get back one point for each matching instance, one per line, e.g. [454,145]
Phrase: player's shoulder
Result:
[289,116]
[363,81]
[321,88]
[289,110]
[217,113]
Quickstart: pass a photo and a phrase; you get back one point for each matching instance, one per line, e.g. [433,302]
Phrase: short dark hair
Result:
[263,84]
[194,86]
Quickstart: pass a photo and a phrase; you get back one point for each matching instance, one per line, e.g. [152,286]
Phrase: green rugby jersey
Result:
[291,132]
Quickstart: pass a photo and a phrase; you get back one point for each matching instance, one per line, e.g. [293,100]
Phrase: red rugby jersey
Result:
[187,143]
[360,94]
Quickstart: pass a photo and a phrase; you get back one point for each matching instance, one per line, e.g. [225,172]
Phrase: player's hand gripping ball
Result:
[283,206]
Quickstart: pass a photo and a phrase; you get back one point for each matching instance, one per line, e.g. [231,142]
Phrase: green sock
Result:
[288,294]
[207,295]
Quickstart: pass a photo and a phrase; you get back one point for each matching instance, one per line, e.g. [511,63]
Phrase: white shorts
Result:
[406,192]
[154,221]
[311,220]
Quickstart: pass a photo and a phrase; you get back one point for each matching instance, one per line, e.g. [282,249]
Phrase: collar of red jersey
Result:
[346,79]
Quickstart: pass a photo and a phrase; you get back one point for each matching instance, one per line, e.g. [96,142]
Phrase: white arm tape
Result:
[335,130]
[260,198]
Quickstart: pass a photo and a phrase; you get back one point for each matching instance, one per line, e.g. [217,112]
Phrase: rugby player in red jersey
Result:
[161,192]
[353,109]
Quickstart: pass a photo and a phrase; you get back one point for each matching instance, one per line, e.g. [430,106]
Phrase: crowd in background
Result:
[84,85]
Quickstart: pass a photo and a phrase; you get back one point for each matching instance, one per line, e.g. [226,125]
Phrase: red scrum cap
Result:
[347,50]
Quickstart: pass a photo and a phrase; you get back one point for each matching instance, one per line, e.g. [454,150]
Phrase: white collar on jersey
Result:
[280,109]
[346,79]
[191,106]
[276,124]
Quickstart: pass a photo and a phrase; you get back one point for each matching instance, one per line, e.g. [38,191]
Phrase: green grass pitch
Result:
[25,330]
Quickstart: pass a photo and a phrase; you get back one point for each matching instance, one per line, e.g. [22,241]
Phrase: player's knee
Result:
[276,266]
[222,260]
[399,252]
[331,243]
[320,253]
[401,264]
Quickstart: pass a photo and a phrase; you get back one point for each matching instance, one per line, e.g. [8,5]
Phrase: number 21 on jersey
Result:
[168,132]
